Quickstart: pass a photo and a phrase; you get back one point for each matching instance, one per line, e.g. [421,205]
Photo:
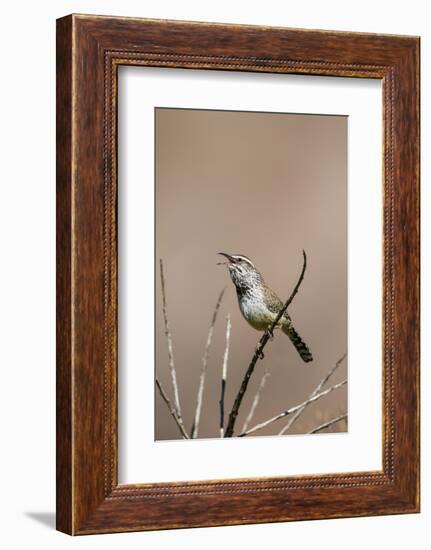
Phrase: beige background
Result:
[266,185]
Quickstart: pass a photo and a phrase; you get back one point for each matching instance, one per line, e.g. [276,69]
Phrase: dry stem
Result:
[255,400]
[170,348]
[313,393]
[224,375]
[195,426]
[172,410]
[292,409]
[328,424]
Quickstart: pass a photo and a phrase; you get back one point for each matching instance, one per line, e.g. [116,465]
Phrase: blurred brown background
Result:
[266,185]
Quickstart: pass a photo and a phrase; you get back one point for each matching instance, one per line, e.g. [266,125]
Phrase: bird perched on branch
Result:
[258,303]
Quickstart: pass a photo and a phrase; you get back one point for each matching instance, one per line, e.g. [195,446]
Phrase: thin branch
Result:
[292,409]
[224,375]
[328,424]
[258,354]
[255,400]
[313,393]
[195,426]
[170,348]
[172,410]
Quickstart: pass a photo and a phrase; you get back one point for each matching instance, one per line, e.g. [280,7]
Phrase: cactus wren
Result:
[258,303]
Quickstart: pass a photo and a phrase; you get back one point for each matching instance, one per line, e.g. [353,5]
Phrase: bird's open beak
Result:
[228,256]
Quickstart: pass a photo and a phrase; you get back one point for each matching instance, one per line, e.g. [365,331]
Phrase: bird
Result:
[258,303]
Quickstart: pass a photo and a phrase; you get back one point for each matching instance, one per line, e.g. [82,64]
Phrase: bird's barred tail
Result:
[298,342]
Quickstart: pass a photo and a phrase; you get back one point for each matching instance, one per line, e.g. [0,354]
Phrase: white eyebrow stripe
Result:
[244,258]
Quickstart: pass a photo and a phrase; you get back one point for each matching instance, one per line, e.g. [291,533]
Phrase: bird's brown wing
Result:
[274,305]
[273,302]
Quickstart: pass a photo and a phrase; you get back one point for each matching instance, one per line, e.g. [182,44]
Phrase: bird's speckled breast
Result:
[254,310]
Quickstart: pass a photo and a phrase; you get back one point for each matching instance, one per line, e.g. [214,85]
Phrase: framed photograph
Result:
[237,274]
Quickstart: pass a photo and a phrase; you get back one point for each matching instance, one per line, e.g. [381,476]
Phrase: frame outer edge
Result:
[407,279]
[64,369]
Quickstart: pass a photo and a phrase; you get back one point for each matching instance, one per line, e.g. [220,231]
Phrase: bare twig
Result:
[258,354]
[328,424]
[224,375]
[170,348]
[172,410]
[195,426]
[316,390]
[293,409]
[255,400]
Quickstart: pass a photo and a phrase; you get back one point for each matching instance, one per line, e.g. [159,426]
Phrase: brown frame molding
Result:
[89,50]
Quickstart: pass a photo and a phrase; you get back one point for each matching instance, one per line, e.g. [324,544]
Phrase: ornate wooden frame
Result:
[89,51]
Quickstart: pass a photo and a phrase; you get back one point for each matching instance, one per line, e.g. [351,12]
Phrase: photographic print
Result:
[251,274]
